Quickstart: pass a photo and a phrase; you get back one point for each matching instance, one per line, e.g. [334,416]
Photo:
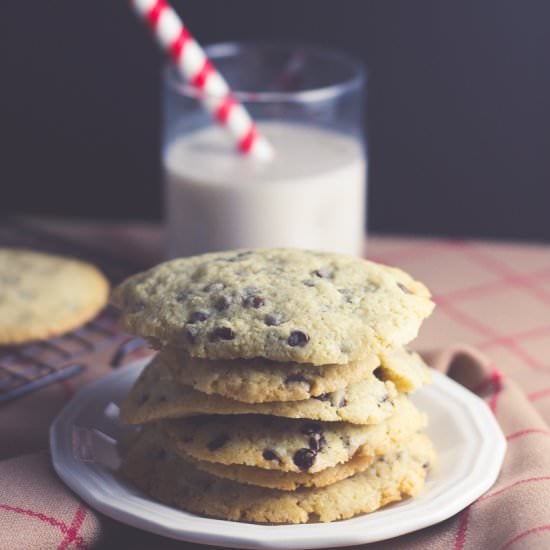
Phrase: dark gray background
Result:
[458,105]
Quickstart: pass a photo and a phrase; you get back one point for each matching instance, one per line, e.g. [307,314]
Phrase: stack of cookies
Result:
[280,391]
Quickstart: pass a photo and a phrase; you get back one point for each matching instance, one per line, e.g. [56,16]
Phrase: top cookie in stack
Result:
[279,393]
[284,305]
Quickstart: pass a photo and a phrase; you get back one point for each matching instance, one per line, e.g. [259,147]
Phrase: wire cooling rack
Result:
[29,367]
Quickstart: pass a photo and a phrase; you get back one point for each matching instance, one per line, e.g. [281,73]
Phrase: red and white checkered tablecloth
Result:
[492,296]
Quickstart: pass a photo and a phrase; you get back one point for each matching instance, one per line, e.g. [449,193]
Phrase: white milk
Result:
[311,196]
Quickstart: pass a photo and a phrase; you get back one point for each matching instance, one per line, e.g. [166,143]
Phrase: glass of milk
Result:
[308,102]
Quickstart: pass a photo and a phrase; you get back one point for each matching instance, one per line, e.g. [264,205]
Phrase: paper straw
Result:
[197,69]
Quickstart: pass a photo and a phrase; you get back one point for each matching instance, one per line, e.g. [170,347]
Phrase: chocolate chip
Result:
[343,403]
[323,397]
[344,438]
[253,301]
[312,428]
[298,338]
[214,287]
[346,347]
[182,296]
[304,458]
[309,283]
[198,316]
[323,273]
[378,372]
[222,333]
[223,302]
[426,465]
[269,454]
[403,288]
[348,295]
[273,319]
[238,256]
[218,442]
[296,379]
[316,442]
[191,334]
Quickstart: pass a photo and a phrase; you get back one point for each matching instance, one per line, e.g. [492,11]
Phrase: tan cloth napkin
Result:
[37,511]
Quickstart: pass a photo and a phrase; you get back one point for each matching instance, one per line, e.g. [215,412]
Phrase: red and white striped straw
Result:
[196,68]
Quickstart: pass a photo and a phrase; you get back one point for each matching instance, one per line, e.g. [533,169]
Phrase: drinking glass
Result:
[308,102]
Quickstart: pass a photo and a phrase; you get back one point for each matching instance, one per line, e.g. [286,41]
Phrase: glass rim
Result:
[225,49]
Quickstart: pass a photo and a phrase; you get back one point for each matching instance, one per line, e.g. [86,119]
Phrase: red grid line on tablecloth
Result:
[539,394]
[527,431]
[72,532]
[524,534]
[61,525]
[465,319]
[524,280]
[487,496]
[532,334]
[460,538]
[498,268]
[506,278]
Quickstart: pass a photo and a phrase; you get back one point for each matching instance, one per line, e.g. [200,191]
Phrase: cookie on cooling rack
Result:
[43,295]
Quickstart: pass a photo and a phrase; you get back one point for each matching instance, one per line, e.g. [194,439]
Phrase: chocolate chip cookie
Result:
[261,380]
[287,445]
[405,369]
[42,295]
[286,481]
[155,396]
[284,305]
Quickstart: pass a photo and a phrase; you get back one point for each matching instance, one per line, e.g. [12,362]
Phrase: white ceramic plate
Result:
[468,440]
